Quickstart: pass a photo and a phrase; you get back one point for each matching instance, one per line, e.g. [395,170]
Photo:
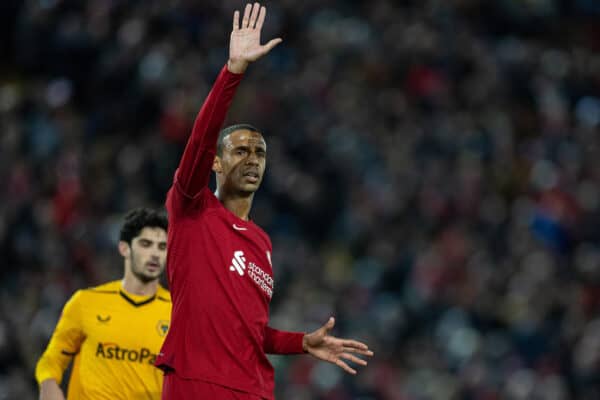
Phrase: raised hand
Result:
[335,350]
[244,45]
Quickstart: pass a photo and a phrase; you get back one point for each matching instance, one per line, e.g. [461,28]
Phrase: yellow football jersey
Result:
[113,337]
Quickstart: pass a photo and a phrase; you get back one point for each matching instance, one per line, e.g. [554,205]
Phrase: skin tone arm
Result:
[49,390]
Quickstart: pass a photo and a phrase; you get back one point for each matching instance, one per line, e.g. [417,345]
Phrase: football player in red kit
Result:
[219,261]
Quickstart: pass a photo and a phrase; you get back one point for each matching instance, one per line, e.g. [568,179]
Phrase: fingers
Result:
[254,15]
[324,330]
[353,358]
[354,344]
[261,18]
[272,43]
[345,367]
[358,351]
[330,324]
[246,18]
[236,20]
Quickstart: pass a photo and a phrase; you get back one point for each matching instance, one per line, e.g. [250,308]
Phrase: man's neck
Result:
[239,205]
[134,286]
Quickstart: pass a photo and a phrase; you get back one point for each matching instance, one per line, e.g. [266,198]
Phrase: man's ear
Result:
[124,248]
[217,165]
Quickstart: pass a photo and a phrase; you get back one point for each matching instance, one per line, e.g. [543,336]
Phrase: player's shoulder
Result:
[180,204]
[163,294]
[83,297]
[264,235]
[107,288]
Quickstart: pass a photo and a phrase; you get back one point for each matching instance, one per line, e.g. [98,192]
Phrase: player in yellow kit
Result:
[114,331]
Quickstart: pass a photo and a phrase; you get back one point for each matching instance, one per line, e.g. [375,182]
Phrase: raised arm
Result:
[244,47]
[64,344]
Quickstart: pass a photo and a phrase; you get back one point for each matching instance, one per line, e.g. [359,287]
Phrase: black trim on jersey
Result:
[133,302]
[68,353]
[104,291]
[163,299]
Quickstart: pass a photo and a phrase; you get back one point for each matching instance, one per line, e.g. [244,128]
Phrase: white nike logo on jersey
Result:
[239,228]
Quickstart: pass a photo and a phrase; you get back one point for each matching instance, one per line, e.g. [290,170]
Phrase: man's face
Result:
[148,254]
[243,161]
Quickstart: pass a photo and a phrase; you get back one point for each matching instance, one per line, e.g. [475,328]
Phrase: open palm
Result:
[244,46]
[335,350]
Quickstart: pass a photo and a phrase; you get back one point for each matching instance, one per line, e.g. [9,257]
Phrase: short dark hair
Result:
[230,129]
[140,218]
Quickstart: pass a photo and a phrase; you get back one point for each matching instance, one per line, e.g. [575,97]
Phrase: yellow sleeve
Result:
[64,344]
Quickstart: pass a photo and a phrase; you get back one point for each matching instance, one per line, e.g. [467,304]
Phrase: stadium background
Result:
[433,178]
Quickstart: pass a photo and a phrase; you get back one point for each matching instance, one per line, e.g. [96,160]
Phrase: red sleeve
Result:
[282,342]
[195,166]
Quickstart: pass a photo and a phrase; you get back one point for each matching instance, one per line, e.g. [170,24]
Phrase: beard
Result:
[239,188]
[143,276]
[137,269]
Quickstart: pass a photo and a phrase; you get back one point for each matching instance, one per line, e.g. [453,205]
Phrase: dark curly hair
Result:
[140,218]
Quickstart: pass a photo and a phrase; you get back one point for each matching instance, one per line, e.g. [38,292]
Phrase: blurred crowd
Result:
[433,178]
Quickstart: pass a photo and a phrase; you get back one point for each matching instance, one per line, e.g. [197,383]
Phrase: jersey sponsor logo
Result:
[239,228]
[112,351]
[262,279]
[238,262]
[162,327]
[102,319]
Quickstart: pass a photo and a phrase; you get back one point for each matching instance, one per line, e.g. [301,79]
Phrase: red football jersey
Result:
[219,271]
